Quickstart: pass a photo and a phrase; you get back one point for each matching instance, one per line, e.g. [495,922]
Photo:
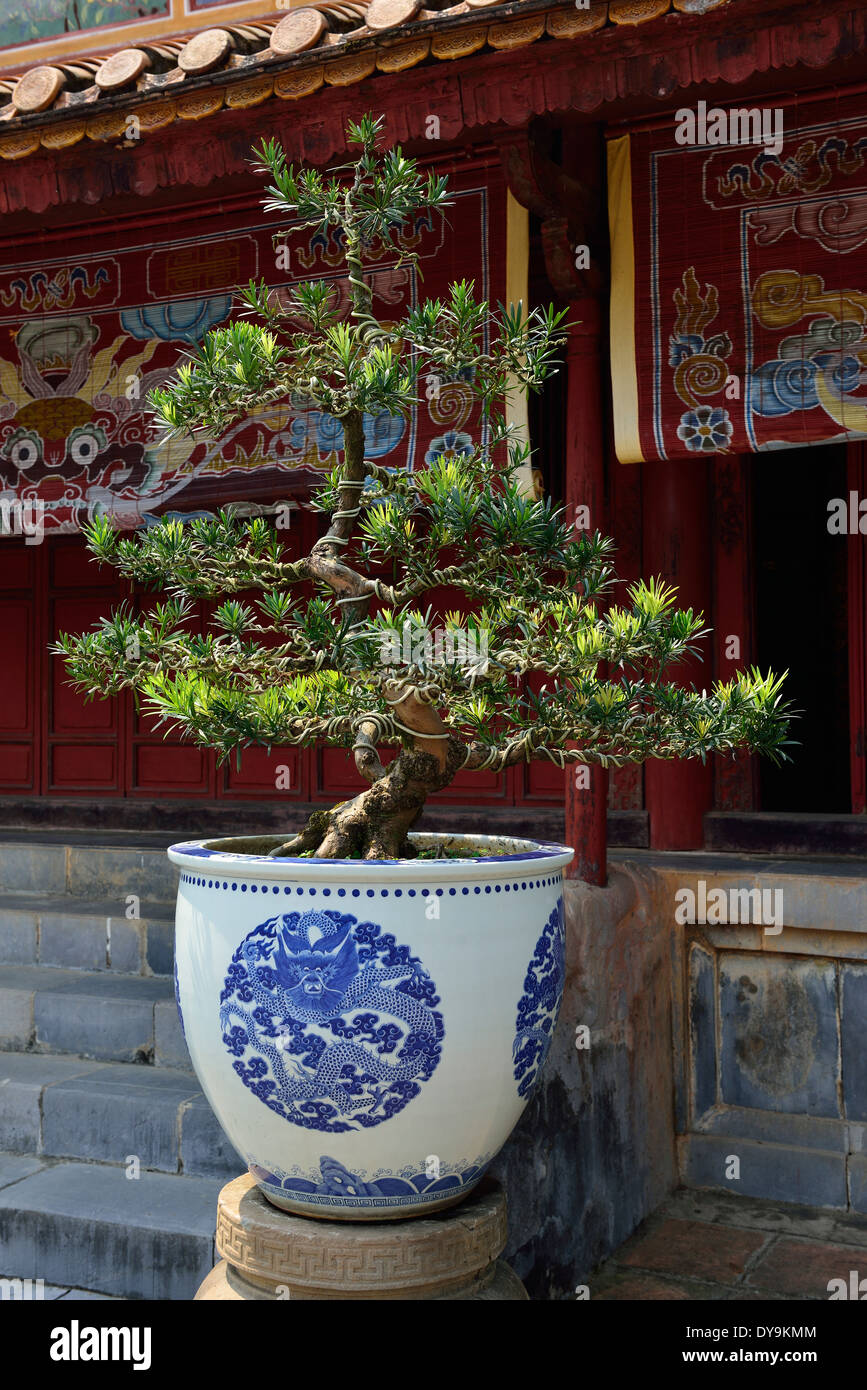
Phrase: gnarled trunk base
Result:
[374,824]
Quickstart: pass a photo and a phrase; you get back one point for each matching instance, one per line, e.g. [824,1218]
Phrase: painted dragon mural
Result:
[83,340]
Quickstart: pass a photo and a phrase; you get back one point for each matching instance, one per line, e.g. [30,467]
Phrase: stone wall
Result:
[770,1020]
[595,1150]
[722,1054]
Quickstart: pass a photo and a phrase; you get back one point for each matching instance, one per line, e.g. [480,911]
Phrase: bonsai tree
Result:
[362,661]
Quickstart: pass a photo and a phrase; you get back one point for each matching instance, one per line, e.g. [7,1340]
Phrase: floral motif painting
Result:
[739,292]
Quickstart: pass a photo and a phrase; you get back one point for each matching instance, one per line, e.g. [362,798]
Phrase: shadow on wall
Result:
[595,1153]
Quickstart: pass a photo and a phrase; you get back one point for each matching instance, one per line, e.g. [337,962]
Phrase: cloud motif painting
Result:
[337,1186]
[538,1005]
[184,321]
[332,1024]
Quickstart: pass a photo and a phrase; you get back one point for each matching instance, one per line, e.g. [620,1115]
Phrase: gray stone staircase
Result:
[110,1157]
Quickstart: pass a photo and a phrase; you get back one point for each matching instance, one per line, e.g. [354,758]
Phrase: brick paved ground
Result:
[711,1245]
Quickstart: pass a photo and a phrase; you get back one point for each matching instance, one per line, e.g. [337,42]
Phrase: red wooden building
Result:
[711,415]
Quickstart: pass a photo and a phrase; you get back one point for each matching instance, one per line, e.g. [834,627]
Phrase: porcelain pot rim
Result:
[526,854]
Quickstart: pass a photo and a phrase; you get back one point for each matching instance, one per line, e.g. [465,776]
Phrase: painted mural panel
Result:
[739,294]
[85,335]
[28,21]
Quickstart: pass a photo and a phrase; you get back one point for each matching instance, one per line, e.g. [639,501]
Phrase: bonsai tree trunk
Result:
[374,824]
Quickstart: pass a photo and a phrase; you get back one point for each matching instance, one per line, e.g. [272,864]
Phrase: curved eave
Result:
[468,68]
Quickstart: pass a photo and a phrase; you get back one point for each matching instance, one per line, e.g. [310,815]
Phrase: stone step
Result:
[87,934]
[86,869]
[71,1107]
[107,1017]
[34,1290]
[89,1226]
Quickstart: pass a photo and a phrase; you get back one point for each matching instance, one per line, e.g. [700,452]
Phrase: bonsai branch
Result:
[367,759]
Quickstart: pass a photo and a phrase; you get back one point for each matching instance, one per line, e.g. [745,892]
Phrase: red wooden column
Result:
[677,545]
[586,808]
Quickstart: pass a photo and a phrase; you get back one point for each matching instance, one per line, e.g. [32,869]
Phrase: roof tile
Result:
[389,35]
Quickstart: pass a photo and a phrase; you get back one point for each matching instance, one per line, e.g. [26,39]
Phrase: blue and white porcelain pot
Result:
[368,1032]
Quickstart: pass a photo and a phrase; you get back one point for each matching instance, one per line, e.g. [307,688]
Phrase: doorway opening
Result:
[801,622]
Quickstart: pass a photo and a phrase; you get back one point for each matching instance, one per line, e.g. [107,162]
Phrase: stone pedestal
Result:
[268,1254]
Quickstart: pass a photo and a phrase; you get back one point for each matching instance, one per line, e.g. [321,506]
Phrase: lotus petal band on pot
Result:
[368,1033]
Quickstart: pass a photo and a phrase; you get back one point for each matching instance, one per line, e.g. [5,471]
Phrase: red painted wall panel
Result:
[540,782]
[83,767]
[163,767]
[259,772]
[70,713]
[17,566]
[16,767]
[53,742]
[16,687]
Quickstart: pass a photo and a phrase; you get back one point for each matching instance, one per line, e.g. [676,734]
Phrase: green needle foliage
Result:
[338,647]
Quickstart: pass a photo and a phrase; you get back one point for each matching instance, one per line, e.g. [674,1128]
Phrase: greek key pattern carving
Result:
[355,1259]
